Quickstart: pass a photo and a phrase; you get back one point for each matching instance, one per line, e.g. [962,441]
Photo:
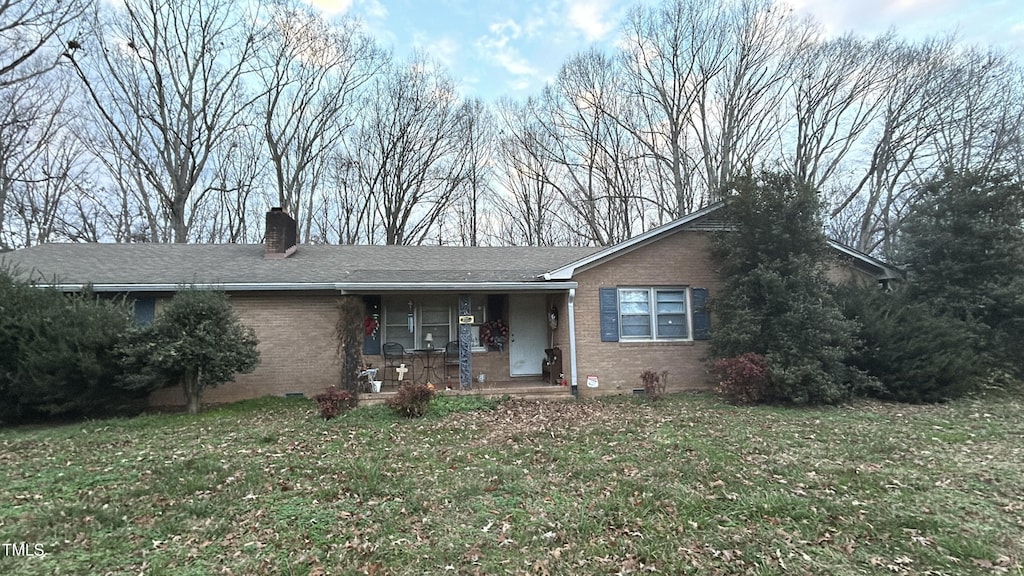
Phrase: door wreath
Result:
[494,334]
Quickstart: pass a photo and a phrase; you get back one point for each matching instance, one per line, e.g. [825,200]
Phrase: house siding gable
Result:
[679,259]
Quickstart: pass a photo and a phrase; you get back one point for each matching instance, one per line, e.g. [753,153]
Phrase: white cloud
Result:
[520,84]
[368,8]
[981,22]
[373,8]
[331,6]
[502,32]
[591,17]
[512,62]
[444,49]
[876,16]
[497,48]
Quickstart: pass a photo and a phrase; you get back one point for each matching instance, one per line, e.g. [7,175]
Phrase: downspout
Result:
[572,341]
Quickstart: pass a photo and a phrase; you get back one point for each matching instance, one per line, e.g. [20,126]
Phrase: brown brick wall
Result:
[681,259]
[841,272]
[298,349]
[298,352]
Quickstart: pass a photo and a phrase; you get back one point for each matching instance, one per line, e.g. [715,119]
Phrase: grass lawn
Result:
[687,485]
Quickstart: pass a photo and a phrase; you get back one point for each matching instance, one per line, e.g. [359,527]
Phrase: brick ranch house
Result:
[598,316]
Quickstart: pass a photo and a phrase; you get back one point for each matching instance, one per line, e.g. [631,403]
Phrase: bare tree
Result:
[1014,155]
[601,165]
[525,202]
[43,205]
[899,147]
[313,70]
[30,33]
[409,153]
[129,208]
[670,53]
[468,213]
[836,93]
[175,71]
[18,119]
[739,111]
[238,201]
[980,117]
[37,154]
[344,211]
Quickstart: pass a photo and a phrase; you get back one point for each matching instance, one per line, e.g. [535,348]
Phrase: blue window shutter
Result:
[609,315]
[371,342]
[144,310]
[701,314]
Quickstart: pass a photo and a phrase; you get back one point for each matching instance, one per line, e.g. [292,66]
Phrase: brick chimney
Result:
[280,236]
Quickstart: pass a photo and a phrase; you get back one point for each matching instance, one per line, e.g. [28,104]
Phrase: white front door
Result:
[528,334]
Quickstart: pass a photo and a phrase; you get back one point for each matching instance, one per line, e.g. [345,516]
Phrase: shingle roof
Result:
[175,264]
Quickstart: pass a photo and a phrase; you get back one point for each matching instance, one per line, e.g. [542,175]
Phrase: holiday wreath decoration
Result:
[494,334]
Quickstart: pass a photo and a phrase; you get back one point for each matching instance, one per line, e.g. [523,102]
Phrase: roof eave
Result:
[341,287]
[886,272]
[221,286]
[455,286]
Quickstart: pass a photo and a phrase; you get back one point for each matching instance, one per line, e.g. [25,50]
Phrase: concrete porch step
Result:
[539,392]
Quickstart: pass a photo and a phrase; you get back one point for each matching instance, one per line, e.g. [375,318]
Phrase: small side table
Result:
[428,363]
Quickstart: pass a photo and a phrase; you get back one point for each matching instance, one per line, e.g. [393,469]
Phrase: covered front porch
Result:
[467,341]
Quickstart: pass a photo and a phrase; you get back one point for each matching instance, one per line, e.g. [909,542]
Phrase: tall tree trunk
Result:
[193,393]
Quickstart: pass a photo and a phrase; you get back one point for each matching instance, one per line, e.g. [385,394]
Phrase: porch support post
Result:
[465,344]
[572,337]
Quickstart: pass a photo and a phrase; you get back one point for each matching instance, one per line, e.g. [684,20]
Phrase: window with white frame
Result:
[396,326]
[651,313]
[419,321]
[435,324]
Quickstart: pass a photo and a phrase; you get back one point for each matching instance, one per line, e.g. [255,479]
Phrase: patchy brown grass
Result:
[683,486]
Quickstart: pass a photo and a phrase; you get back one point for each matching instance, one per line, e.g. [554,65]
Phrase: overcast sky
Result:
[512,47]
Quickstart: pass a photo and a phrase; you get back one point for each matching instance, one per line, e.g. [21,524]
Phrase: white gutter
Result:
[572,336]
[454,286]
[346,287]
[226,287]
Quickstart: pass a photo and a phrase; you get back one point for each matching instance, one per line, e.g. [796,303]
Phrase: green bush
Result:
[776,300]
[962,244]
[56,353]
[197,341]
[913,352]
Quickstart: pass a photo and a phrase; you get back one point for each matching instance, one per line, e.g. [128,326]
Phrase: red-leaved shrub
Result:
[654,383]
[334,401]
[412,400]
[743,379]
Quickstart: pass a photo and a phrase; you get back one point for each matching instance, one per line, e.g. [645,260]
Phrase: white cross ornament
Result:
[401,370]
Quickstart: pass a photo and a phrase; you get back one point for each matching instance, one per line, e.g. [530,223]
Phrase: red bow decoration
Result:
[370,325]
